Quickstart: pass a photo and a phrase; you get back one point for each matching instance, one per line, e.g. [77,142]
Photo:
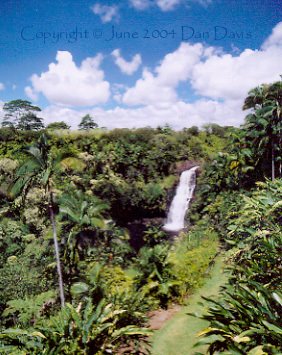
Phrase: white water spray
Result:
[181,201]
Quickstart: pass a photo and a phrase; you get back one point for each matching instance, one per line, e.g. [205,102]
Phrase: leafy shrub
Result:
[82,330]
[11,238]
[246,316]
[154,235]
[115,281]
[246,319]
[154,278]
[191,258]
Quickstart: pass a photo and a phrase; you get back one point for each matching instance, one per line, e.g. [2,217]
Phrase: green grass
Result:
[178,335]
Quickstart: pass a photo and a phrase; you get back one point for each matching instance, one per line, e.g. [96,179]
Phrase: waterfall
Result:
[181,200]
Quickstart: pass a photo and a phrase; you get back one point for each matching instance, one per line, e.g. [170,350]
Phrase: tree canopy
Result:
[263,126]
[21,114]
[87,123]
[30,122]
[58,125]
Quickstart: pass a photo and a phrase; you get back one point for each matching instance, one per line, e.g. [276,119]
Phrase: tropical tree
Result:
[38,170]
[82,215]
[264,125]
[58,125]
[83,211]
[87,123]
[213,128]
[16,110]
[194,130]
[240,162]
[30,122]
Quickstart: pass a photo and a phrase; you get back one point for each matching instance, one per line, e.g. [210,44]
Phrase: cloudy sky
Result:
[134,63]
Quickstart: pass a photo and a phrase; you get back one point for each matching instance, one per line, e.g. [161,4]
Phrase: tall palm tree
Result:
[274,110]
[264,126]
[256,97]
[83,211]
[38,170]
[82,214]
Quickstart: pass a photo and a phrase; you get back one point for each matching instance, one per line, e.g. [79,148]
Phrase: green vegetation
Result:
[84,257]
[76,196]
[246,317]
[179,334]
[264,126]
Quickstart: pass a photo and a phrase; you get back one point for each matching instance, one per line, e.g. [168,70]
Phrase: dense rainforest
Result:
[84,257]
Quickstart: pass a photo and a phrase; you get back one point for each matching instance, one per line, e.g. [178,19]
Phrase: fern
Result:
[30,309]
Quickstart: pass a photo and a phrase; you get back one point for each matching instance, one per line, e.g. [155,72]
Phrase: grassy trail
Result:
[178,335]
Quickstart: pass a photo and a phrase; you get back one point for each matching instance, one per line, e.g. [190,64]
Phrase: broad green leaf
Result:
[79,288]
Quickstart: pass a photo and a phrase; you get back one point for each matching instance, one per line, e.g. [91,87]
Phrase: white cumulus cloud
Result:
[55,113]
[275,39]
[178,115]
[31,93]
[107,13]
[220,80]
[210,72]
[231,77]
[2,86]
[68,84]
[161,85]
[127,67]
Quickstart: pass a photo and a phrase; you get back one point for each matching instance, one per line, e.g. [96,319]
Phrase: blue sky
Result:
[181,62]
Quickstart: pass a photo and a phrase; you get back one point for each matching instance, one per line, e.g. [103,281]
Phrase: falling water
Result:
[181,200]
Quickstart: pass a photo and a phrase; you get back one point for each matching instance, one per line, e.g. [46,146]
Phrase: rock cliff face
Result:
[185,165]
